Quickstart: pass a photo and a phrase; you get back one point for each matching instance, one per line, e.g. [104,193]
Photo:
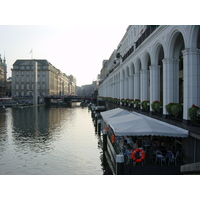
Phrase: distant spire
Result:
[4,60]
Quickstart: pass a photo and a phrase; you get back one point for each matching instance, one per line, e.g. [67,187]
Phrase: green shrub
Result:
[177,110]
[168,108]
[156,105]
[145,105]
[137,103]
[193,111]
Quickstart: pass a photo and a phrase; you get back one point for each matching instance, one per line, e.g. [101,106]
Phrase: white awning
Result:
[106,115]
[134,124]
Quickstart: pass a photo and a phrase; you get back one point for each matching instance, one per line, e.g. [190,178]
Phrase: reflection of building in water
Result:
[51,81]
[30,122]
[3,131]
[37,121]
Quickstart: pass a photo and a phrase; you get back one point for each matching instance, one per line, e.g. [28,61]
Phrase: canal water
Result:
[49,141]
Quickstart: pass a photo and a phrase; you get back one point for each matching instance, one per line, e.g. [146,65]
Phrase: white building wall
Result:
[175,41]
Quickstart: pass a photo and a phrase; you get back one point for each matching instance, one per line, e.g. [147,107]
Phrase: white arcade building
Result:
[156,63]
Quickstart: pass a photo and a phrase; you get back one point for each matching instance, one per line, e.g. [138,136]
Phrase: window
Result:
[28,87]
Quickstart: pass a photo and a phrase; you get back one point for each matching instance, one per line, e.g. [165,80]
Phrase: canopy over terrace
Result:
[113,113]
[133,124]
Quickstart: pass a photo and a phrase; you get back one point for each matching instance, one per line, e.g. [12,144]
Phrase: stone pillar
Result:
[168,83]
[131,87]
[176,80]
[126,88]
[144,85]
[136,86]
[118,89]
[154,84]
[191,80]
[121,87]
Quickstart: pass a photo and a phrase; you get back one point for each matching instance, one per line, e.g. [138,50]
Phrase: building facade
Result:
[72,85]
[157,63]
[51,81]
[3,72]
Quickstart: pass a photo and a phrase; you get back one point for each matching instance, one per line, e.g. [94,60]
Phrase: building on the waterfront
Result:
[3,72]
[158,63]
[88,90]
[72,85]
[51,81]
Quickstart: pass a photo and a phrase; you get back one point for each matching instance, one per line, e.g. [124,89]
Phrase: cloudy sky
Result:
[74,49]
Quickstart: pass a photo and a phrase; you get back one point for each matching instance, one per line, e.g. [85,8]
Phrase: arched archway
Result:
[174,69]
[131,81]
[122,83]
[159,56]
[179,46]
[191,72]
[145,77]
[126,83]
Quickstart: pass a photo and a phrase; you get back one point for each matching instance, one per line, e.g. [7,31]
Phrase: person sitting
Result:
[129,140]
[135,145]
[126,146]
[162,148]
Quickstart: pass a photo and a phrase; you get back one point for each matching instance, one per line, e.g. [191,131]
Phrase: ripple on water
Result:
[49,141]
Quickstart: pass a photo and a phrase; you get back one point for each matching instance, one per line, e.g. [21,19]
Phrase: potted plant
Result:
[131,103]
[193,113]
[168,108]
[177,110]
[153,105]
[122,101]
[137,103]
[145,105]
[158,107]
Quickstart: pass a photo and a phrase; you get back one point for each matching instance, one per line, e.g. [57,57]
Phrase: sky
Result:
[77,50]
[76,36]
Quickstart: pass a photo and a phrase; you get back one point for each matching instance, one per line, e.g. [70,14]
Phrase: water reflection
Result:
[42,140]
[3,135]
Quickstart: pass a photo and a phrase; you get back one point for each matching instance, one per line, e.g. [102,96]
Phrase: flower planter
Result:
[194,113]
[157,107]
[177,110]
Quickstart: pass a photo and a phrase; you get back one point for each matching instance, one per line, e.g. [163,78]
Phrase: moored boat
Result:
[128,132]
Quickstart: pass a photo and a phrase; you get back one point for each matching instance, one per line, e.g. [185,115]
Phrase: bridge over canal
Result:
[68,99]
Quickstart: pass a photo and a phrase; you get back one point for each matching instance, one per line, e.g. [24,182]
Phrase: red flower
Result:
[194,106]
